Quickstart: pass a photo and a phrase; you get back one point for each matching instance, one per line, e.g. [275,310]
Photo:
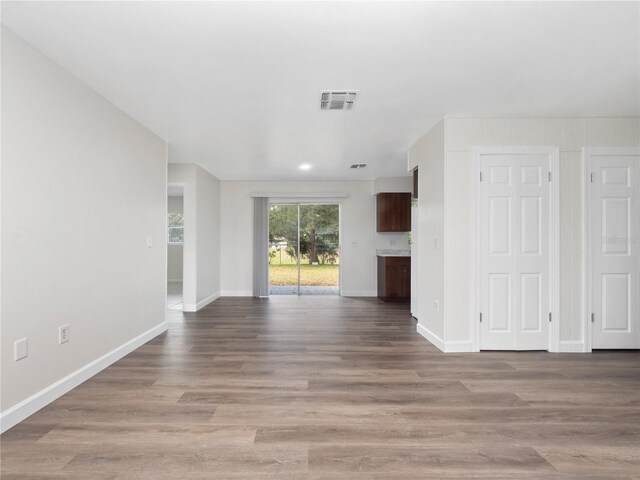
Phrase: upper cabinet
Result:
[393,212]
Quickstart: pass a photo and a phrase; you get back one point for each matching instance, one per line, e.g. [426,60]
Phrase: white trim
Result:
[301,194]
[458,346]
[35,402]
[208,300]
[430,336]
[554,238]
[587,267]
[190,307]
[166,216]
[445,237]
[554,249]
[473,241]
[340,258]
[586,247]
[572,346]
[359,293]
[190,228]
[174,280]
[236,293]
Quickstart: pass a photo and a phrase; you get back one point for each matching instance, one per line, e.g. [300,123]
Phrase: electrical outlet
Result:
[63,334]
[392,243]
[20,349]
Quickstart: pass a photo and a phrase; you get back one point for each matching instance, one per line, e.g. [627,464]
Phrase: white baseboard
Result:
[360,293]
[572,346]
[456,346]
[432,337]
[35,402]
[238,293]
[208,300]
[190,307]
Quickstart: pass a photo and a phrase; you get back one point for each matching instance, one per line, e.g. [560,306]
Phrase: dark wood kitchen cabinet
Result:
[393,212]
[394,279]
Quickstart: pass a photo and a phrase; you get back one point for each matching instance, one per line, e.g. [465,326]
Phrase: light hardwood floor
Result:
[174,295]
[332,388]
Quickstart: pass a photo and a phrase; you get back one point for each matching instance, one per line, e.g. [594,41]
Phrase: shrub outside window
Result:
[176,229]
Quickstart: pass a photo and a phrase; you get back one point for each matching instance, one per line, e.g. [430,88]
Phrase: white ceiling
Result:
[235,86]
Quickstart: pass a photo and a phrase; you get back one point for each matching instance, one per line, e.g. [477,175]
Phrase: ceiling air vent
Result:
[358,165]
[338,100]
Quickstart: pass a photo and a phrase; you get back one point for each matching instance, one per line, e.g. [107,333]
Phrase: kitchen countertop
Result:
[393,253]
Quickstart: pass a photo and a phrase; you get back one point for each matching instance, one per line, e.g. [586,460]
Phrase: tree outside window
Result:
[176,229]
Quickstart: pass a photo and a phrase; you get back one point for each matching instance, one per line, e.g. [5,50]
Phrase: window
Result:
[176,229]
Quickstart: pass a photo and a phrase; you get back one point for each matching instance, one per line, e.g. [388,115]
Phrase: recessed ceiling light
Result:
[305,166]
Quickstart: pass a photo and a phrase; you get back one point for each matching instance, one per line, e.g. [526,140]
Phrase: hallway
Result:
[330,387]
[174,295]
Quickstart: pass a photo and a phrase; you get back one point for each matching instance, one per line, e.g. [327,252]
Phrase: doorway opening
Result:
[175,246]
[304,249]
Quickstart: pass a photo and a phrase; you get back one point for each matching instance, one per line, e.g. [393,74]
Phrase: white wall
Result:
[428,155]
[358,260]
[174,254]
[393,184]
[208,237]
[83,187]
[570,135]
[202,230]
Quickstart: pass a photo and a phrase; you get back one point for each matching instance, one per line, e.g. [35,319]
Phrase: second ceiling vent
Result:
[338,100]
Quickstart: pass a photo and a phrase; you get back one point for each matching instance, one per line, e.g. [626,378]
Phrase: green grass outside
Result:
[281,257]
[310,275]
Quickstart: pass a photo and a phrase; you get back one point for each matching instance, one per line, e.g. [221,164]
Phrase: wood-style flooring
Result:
[333,388]
[174,295]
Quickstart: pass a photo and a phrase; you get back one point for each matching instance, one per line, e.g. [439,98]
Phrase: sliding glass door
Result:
[319,255]
[284,267]
[304,256]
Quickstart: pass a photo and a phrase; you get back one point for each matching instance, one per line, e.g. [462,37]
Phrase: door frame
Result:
[189,279]
[294,201]
[587,261]
[554,237]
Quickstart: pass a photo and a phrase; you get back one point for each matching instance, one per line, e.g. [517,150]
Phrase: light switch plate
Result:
[20,349]
[436,306]
[149,242]
[436,243]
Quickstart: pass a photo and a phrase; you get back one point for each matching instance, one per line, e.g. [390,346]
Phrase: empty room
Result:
[320,240]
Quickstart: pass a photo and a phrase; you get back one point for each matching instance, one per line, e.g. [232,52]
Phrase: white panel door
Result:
[615,250]
[514,218]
